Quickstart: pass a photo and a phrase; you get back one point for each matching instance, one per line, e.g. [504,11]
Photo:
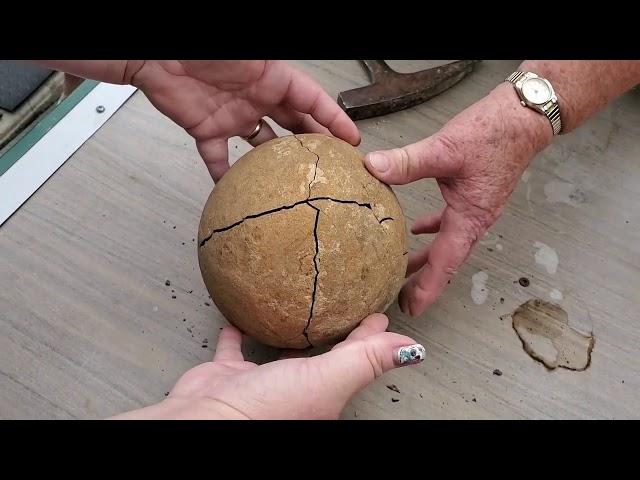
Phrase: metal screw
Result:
[100,109]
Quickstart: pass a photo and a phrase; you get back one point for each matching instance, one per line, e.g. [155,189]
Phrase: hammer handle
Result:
[377,68]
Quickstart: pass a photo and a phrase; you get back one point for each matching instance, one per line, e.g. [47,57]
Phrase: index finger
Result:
[306,96]
[215,153]
[229,346]
[449,250]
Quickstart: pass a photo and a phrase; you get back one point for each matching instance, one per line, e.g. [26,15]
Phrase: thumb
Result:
[355,365]
[434,157]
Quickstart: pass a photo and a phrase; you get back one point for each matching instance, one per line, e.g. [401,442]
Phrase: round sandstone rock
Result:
[298,242]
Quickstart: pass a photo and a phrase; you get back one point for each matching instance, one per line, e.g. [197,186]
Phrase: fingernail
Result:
[410,355]
[379,162]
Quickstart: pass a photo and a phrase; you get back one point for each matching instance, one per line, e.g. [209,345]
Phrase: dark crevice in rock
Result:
[315,171]
[405,253]
[206,239]
[285,207]
[353,202]
[255,215]
[261,214]
[385,219]
[315,278]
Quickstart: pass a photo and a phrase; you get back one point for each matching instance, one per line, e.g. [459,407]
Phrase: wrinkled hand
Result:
[477,159]
[291,388]
[216,100]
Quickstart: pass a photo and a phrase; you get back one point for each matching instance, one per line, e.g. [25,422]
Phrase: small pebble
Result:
[394,400]
[167,283]
[497,372]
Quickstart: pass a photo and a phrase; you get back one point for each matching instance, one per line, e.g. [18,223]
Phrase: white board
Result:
[41,161]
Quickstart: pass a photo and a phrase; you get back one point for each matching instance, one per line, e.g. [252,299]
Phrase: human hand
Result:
[291,388]
[477,159]
[216,100]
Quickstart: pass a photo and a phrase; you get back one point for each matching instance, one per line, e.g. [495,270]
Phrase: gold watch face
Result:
[536,91]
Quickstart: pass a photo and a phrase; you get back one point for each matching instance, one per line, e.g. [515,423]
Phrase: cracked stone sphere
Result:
[298,242]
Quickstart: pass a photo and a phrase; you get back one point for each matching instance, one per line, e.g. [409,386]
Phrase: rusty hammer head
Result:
[392,91]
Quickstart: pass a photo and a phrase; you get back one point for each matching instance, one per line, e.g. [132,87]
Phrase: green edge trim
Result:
[39,130]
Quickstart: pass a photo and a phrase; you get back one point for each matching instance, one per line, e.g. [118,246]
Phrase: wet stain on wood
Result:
[543,329]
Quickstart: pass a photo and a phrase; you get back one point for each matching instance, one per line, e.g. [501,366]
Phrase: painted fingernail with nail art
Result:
[410,355]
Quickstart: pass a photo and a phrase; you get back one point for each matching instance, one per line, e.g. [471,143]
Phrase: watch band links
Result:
[550,109]
[514,77]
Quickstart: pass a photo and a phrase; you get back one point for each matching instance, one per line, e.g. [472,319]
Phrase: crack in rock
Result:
[384,220]
[285,207]
[315,278]
[206,239]
[315,171]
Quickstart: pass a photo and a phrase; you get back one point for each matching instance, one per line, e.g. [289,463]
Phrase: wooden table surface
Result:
[88,327]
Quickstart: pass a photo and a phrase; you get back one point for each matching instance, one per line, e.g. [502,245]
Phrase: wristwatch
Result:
[537,93]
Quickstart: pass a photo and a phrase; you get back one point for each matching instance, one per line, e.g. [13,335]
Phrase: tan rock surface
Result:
[260,275]
[361,268]
[275,174]
[298,242]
